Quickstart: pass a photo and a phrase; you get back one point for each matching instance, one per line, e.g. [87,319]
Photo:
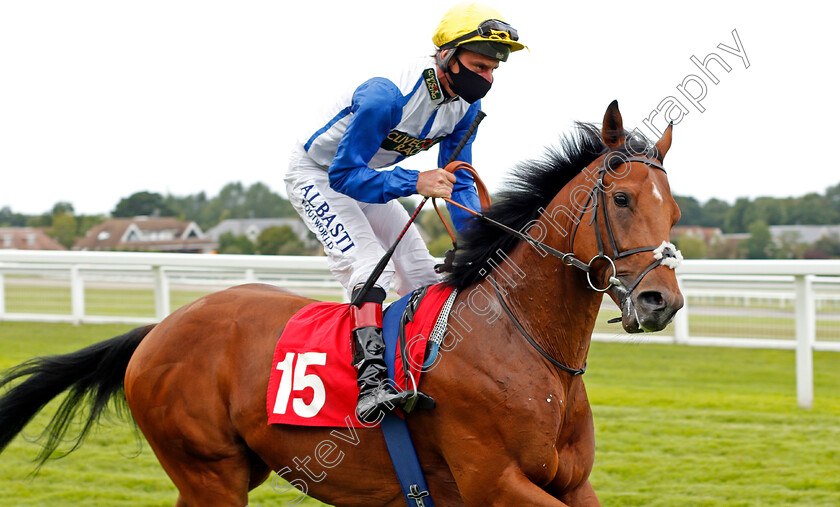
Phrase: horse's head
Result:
[624,213]
[611,220]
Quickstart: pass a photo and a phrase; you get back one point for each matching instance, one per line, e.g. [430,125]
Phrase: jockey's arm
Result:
[376,109]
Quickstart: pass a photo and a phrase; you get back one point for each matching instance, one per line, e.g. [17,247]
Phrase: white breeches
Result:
[356,234]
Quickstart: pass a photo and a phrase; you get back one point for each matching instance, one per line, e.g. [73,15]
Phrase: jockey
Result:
[337,182]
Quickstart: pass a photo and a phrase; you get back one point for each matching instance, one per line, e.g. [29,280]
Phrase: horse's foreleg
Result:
[583,496]
[511,487]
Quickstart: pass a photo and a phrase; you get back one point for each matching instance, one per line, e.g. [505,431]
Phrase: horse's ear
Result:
[612,130]
[664,143]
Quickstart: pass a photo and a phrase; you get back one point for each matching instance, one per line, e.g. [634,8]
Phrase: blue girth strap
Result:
[394,428]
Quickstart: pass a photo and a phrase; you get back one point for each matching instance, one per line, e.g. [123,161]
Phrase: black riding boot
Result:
[376,394]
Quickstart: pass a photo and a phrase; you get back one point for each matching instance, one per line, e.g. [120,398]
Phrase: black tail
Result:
[93,375]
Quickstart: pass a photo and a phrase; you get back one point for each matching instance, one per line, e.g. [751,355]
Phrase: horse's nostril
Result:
[652,300]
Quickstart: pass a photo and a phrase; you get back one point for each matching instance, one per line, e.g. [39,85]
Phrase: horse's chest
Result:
[574,446]
[561,446]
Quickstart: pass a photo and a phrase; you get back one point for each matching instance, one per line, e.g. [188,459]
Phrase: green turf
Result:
[675,426]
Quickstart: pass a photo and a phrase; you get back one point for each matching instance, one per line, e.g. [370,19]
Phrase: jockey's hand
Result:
[435,183]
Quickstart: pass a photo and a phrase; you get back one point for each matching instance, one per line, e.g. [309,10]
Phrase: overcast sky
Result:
[101,99]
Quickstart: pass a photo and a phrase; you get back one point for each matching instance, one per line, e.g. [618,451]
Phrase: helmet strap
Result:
[443,62]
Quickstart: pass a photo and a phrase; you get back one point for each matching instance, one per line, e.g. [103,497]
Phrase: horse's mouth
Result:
[630,317]
[647,312]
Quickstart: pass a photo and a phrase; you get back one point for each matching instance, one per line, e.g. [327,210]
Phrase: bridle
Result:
[664,253]
[597,196]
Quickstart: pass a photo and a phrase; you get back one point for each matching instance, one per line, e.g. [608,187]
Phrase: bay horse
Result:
[512,426]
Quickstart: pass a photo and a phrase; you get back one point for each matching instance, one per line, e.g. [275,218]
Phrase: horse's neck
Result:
[551,301]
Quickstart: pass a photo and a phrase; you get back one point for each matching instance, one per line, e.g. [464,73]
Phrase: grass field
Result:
[675,426]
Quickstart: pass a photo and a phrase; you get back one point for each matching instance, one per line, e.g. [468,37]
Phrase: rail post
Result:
[162,302]
[806,321]
[77,295]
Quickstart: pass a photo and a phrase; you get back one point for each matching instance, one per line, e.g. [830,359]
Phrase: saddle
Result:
[312,381]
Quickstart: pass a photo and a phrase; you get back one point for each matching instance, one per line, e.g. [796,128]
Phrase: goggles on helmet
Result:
[498,28]
[492,29]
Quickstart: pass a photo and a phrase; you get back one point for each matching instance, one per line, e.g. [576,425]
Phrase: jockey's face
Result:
[480,64]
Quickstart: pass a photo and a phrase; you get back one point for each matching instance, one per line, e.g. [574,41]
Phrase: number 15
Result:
[300,381]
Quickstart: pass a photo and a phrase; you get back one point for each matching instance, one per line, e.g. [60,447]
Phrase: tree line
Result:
[754,217]
[809,209]
[235,200]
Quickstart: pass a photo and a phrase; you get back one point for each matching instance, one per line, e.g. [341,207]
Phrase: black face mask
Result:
[467,84]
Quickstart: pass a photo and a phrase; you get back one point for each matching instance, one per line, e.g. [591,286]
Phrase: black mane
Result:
[531,187]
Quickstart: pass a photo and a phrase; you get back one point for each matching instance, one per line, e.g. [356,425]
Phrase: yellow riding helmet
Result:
[478,28]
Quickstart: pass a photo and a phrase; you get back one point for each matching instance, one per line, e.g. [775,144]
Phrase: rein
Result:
[506,308]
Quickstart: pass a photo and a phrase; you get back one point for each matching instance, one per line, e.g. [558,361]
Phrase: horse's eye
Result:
[621,199]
